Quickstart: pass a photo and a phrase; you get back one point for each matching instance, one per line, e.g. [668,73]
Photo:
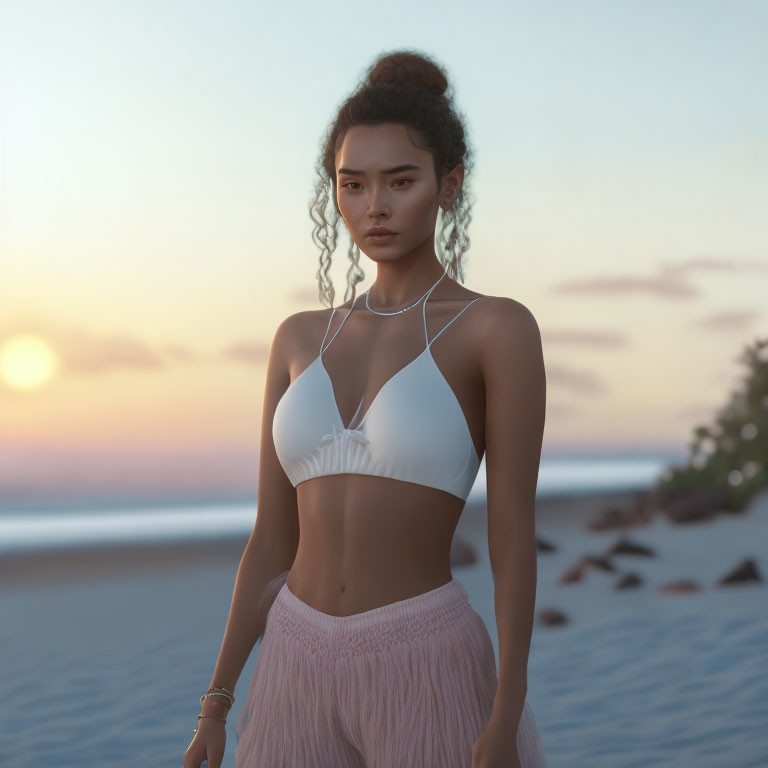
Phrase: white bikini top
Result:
[414,429]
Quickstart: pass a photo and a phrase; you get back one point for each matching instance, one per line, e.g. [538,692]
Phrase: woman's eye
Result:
[349,183]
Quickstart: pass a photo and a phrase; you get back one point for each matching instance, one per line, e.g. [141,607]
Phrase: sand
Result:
[106,652]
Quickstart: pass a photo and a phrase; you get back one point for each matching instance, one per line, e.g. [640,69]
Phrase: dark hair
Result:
[408,88]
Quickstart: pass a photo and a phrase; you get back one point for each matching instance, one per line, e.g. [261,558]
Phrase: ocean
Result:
[138,523]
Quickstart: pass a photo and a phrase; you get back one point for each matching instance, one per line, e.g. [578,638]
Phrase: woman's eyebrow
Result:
[396,169]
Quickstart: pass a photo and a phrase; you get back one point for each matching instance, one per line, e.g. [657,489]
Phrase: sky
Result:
[156,170]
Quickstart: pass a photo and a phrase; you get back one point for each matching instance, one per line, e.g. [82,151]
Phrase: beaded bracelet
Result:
[214,691]
[224,695]
[219,691]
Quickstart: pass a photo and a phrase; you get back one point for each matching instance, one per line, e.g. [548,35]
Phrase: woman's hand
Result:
[208,744]
[496,748]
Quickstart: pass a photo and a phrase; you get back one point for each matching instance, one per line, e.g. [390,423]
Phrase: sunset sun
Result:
[27,362]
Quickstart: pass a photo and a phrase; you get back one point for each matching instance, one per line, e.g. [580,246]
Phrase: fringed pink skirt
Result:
[407,685]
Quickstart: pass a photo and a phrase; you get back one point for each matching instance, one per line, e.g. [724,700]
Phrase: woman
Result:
[372,656]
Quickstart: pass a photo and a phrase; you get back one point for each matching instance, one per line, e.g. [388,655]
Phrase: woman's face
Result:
[383,180]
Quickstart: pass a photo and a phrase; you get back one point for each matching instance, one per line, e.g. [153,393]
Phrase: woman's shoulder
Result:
[496,316]
[504,305]
[301,329]
[504,308]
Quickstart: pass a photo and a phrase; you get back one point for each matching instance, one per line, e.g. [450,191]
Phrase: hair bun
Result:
[407,68]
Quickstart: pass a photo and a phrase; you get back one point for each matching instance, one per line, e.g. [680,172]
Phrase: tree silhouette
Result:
[732,454]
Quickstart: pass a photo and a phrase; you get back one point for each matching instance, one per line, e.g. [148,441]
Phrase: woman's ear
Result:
[451,186]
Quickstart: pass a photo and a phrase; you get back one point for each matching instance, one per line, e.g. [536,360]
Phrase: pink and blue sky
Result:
[156,168]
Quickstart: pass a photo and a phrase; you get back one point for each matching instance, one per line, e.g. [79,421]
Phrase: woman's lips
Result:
[379,239]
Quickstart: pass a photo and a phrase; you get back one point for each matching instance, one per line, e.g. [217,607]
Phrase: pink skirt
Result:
[410,684]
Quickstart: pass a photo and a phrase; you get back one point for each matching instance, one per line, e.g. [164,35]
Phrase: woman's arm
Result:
[513,369]
[274,541]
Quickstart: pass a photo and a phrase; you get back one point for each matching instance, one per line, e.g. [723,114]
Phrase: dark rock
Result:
[745,571]
[629,581]
[576,572]
[608,519]
[601,563]
[626,547]
[696,506]
[573,574]
[639,512]
[552,618]
[542,545]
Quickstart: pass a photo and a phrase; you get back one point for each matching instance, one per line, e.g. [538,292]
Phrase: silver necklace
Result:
[405,309]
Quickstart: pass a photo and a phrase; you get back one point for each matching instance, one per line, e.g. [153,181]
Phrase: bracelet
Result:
[216,703]
[219,691]
[216,693]
[213,717]
[222,691]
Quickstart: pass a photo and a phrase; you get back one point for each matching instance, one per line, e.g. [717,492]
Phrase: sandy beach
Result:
[106,652]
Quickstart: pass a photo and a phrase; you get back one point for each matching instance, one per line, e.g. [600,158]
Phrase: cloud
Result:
[252,352]
[584,382]
[735,320]
[671,280]
[85,353]
[667,285]
[585,338]
[714,264]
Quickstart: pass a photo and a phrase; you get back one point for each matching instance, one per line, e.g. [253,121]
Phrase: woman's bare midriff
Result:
[369,541]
